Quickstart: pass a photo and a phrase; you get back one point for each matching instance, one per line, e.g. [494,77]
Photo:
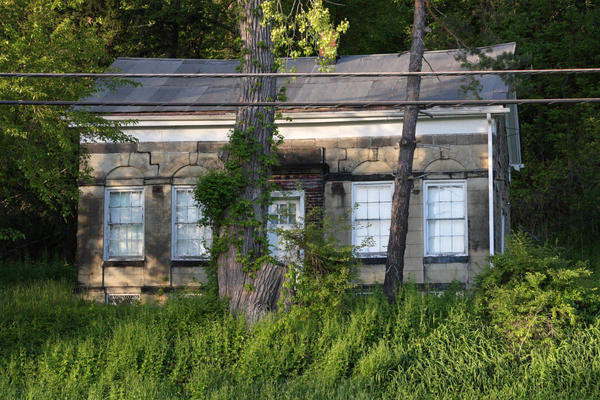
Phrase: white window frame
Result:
[444,182]
[174,255]
[297,195]
[107,192]
[354,202]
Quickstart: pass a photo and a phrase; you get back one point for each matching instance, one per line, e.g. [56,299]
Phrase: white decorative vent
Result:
[116,299]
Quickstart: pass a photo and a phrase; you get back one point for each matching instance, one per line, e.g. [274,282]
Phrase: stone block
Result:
[327,143]
[102,164]
[372,167]
[141,161]
[168,147]
[123,276]
[172,162]
[371,274]
[446,273]
[103,148]
[334,155]
[384,141]
[188,276]
[388,155]
[355,142]
[411,275]
[210,147]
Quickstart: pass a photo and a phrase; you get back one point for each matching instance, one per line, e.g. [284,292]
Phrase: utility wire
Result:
[300,74]
[328,104]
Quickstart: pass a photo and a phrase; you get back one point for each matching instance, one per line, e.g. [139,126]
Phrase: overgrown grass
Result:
[55,345]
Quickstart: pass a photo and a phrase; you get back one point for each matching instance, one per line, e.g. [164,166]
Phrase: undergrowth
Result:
[55,345]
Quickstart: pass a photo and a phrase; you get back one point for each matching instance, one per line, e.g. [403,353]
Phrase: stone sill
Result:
[124,263]
[190,263]
[445,259]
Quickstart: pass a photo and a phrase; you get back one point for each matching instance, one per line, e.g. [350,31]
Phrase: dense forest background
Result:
[554,198]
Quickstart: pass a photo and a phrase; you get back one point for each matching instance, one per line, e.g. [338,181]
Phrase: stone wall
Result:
[324,169]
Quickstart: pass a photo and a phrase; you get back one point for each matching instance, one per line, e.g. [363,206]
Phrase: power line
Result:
[300,74]
[305,104]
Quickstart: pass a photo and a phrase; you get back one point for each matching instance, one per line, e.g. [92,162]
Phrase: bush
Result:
[320,270]
[532,293]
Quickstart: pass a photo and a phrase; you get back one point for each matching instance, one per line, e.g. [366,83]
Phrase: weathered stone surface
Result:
[372,167]
[188,276]
[167,147]
[102,164]
[446,273]
[102,148]
[333,155]
[158,235]
[142,162]
[173,162]
[188,175]
[123,277]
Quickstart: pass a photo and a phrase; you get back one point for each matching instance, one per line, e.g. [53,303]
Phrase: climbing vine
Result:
[223,194]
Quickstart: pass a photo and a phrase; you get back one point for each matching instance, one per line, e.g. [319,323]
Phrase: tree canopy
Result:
[554,196]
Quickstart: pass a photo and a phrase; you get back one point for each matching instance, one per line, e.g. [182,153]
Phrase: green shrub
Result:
[532,293]
[320,269]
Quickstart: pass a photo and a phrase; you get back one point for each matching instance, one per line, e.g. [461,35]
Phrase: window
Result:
[189,240]
[124,224]
[372,214]
[286,211]
[445,218]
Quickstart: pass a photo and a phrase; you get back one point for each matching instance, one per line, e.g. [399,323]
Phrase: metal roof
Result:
[491,87]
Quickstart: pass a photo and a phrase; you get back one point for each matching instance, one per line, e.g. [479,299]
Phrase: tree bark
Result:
[403,182]
[254,293]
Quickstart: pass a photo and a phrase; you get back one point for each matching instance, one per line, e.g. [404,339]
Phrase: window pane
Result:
[445,244]
[444,210]
[457,193]
[385,210]
[136,215]
[385,226]
[115,215]
[373,210]
[361,211]
[373,194]
[361,229]
[385,194]
[374,229]
[458,244]
[361,194]
[445,218]
[445,194]
[433,228]
[136,199]
[458,227]
[458,210]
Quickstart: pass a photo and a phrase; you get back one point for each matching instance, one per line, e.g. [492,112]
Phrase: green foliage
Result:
[55,345]
[320,269]
[39,167]
[531,293]
[300,30]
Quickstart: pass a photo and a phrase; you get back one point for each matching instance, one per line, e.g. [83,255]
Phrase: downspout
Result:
[490,184]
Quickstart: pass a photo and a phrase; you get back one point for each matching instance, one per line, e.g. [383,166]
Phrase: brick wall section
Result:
[311,184]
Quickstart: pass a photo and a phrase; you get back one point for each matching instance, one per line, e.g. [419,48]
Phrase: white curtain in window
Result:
[446,219]
[191,240]
[126,224]
[372,215]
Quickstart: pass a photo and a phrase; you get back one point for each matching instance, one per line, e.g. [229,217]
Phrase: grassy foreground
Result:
[55,345]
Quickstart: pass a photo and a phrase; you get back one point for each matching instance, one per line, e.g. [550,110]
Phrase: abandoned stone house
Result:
[137,228]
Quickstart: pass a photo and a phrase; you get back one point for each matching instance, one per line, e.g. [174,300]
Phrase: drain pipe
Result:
[490,183]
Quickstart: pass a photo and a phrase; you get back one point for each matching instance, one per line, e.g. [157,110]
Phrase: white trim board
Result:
[324,129]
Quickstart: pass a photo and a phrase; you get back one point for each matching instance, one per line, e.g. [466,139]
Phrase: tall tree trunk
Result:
[253,292]
[402,181]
